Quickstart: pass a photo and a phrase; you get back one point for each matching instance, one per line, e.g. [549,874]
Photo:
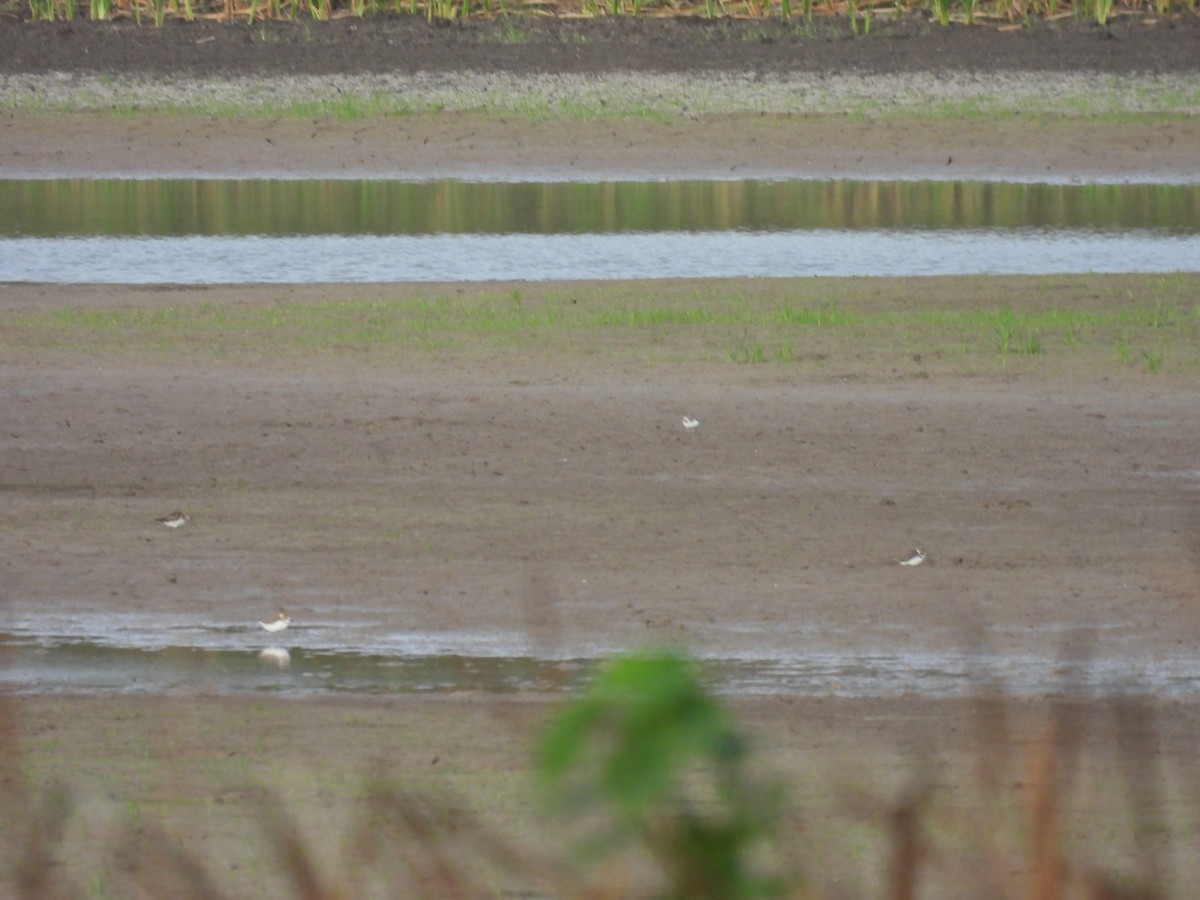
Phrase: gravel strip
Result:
[616,94]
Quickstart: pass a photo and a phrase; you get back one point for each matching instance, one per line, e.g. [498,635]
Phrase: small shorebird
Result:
[690,424]
[175,519]
[916,559]
[278,622]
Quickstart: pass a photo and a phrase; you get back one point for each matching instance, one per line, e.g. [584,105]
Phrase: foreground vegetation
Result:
[860,13]
[1082,323]
[645,785]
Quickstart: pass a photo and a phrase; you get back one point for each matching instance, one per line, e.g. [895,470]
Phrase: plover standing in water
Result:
[278,622]
[916,559]
[175,519]
[690,424]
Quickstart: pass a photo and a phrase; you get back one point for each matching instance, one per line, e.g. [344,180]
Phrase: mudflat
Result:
[539,490]
[537,484]
[537,480]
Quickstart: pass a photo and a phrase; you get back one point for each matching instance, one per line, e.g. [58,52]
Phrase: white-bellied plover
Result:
[278,622]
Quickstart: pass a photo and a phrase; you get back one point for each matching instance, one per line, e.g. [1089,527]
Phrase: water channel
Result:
[320,231]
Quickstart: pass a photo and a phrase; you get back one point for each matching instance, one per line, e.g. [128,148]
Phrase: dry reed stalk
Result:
[159,867]
[907,846]
[436,852]
[294,855]
[29,829]
[12,784]
[991,715]
[1048,871]
[1143,778]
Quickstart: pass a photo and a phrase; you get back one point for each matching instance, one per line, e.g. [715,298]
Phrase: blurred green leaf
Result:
[648,756]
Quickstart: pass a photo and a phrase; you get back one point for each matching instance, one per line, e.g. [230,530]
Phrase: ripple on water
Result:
[250,661]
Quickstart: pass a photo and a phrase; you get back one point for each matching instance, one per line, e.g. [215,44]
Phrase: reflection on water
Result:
[278,656]
[82,666]
[265,207]
[85,666]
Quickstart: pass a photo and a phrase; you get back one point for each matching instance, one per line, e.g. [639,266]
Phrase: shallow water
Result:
[439,258]
[273,231]
[128,654]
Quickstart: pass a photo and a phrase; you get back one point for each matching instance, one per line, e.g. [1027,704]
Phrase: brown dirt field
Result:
[470,145]
[911,55]
[554,495]
[500,491]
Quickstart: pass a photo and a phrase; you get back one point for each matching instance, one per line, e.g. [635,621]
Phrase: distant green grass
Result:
[1149,323]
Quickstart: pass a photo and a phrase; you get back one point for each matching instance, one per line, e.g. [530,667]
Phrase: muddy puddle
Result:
[303,660]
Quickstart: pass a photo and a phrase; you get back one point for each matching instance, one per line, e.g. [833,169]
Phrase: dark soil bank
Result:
[392,43]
